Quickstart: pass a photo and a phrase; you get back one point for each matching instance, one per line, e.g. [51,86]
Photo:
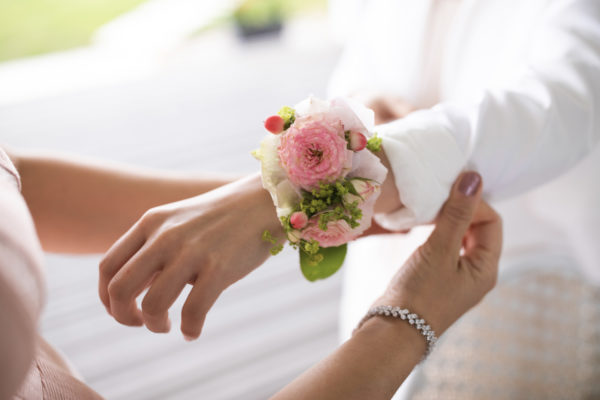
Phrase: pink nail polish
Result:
[469,183]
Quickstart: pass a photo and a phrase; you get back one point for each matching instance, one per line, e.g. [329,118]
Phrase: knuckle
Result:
[457,212]
[152,307]
[210,266]
[116,291]
[153,216]
[104,268]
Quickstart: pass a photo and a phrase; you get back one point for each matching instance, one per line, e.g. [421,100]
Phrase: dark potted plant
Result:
[258,17]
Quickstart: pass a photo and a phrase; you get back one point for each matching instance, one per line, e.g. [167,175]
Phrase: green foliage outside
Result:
[30,27]
[263,12]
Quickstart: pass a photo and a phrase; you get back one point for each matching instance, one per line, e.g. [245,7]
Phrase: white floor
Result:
[201,111]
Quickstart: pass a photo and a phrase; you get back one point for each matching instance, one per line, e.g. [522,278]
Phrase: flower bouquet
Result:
[319,166]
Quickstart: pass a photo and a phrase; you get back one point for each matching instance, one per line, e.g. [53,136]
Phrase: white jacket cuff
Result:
[426,152]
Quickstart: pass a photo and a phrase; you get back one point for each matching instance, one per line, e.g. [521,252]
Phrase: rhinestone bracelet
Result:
[403,313]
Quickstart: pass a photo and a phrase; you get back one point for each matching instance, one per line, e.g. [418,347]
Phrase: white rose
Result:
[274,178]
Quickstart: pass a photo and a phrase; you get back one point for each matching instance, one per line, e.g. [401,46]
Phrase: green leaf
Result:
[333,258]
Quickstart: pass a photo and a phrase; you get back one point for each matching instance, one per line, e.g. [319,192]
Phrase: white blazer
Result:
[519,103]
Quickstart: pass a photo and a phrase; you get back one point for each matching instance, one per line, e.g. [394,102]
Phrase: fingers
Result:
[160,297]
[399,108]
[199,301]
[129,282]
[121,251]
[389,108]
[483,242]
[457,213]
[377,229]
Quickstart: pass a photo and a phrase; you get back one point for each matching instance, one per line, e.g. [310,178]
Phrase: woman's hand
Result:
[438,282]
[457,265]
[209,241]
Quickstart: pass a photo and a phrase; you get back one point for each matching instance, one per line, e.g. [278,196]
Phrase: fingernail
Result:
[469,183]
[188,338]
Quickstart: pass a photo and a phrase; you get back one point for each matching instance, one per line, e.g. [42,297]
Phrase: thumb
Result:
[457,213]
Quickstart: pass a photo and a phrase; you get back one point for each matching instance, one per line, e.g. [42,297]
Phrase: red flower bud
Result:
[357,141]
[274,124]
[298,220]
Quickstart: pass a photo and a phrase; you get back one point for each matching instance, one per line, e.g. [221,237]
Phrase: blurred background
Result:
[181,85]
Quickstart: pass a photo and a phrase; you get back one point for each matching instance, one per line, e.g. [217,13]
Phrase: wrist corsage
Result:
[318,165]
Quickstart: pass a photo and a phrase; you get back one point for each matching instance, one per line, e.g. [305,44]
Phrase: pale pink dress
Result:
[29,367]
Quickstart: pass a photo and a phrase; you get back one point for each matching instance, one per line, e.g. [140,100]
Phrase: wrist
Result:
[263,206]
[399,342]
[428,310]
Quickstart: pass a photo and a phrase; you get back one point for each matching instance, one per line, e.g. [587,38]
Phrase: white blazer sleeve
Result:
[518,137]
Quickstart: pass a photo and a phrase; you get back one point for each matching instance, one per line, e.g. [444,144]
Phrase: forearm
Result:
[540,122]
[81,205]
[371,365]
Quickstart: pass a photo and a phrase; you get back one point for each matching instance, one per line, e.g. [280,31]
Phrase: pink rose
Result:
[337,233]
[314,150]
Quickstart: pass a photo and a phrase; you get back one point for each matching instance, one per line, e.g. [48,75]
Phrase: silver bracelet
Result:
[404,314]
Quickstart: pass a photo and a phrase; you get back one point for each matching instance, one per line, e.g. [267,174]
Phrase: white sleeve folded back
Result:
[518,137]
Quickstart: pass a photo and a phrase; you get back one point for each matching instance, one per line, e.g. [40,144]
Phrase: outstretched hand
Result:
[209,241]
